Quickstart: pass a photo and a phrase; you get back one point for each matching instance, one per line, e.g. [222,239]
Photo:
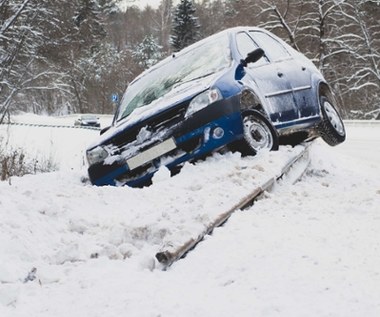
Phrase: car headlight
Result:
[203,100]
[96,155]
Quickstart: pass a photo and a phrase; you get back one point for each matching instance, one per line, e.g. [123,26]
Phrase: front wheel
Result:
[331,128]
[258,134]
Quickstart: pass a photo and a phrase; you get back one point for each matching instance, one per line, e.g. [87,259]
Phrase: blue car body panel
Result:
[231,124]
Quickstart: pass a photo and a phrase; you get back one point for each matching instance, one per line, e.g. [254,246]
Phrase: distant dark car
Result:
[243,88]
[87,120]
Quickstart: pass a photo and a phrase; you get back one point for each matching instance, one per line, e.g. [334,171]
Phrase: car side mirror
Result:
[253,57]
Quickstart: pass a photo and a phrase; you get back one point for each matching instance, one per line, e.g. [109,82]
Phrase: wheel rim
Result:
[257,134]
[334,118]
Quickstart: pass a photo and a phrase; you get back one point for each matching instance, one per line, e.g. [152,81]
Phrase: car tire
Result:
[258,134]
[331,128]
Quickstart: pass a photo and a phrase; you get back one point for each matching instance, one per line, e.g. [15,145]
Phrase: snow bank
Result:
[71,249]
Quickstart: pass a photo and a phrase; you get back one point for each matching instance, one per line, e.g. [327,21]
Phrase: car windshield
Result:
[196,63]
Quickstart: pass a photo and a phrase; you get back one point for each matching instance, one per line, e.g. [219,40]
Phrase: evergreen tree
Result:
[89,22]
[148,52]
[185,26]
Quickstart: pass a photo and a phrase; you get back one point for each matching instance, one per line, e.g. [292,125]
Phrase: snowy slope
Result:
[311,249]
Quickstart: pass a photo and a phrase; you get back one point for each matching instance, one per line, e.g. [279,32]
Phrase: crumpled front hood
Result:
[177,95]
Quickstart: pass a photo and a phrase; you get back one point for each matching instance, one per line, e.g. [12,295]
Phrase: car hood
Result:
[176,96]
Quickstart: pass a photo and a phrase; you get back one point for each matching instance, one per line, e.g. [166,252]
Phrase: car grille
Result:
[150,167]
[162,121]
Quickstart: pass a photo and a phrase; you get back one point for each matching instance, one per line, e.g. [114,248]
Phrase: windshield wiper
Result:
[192,79]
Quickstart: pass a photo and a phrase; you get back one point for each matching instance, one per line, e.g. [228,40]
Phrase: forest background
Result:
[61,57]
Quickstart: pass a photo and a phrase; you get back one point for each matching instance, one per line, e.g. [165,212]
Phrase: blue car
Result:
[243,89]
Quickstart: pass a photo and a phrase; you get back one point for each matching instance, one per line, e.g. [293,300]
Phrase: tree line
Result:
[70,57]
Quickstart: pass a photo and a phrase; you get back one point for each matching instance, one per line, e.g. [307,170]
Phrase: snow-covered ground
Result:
[310,249]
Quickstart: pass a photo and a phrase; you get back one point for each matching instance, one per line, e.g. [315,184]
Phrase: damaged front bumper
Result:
[204,132]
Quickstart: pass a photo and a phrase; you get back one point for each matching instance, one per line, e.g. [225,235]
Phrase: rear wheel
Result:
[331,128]
[258,134]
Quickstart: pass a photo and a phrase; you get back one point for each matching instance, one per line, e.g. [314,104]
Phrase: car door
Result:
[296,70]
[270,79]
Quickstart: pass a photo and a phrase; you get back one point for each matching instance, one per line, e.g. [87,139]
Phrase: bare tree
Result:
[361,80]
[212,15]
[164,23]
[278,16]
[21,37]
[367,49]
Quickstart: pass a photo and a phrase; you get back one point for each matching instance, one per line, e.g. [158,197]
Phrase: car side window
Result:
[273,48]
[246,45]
